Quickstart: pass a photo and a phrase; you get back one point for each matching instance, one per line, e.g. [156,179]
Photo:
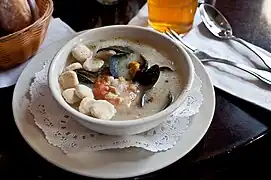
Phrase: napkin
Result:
[225,77]
[57,30]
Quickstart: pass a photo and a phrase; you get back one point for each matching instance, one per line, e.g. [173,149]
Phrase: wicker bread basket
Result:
[18,47]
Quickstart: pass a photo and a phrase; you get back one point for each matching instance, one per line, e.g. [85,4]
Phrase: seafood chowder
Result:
[119,79]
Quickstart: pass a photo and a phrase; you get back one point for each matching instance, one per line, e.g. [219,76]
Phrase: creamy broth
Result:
[157,97]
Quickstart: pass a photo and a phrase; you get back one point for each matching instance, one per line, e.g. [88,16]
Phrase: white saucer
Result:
[111,163]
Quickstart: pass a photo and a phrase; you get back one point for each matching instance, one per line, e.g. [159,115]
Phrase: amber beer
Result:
[175,14]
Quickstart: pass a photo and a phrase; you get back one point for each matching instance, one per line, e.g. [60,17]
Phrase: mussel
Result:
[127,65]
[105,70]
[117,49]
[148,77]
[118,66]
[133,66]
[85,76]
[144,65]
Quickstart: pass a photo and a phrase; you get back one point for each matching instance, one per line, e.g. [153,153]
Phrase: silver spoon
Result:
[221,28]
[262,75]
[153,78]
[142,98]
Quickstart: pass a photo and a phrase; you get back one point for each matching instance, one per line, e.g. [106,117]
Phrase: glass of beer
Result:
[175,14]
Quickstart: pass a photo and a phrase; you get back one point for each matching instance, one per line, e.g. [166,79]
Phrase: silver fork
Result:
[262,75]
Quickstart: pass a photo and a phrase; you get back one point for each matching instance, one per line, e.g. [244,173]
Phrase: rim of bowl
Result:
[127,122]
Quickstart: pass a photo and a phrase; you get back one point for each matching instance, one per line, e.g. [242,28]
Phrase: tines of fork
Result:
[173,35]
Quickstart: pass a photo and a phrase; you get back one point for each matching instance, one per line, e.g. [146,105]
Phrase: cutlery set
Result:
[217,24]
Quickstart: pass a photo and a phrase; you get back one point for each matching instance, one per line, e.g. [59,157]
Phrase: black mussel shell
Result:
[166,68]
[104,70]
[139,75]
[119,64]
[86,76]
[117,49]
[149,77]
[143,63]
[170,100]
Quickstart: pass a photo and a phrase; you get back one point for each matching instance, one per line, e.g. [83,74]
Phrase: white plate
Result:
[110,163]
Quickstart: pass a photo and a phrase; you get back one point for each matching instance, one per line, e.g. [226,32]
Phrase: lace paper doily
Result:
[62,131]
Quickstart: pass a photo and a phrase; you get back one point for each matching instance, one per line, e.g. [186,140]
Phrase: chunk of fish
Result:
[83,91]
[70,96]
[93,64]
[73,66]
[68,79]
[85,105]
[81,52]
[102,109]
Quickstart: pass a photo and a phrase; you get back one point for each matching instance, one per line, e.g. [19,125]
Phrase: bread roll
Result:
[3,32]
[14,15]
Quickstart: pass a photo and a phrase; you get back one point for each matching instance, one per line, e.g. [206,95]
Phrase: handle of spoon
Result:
[262,75]
[267,63]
